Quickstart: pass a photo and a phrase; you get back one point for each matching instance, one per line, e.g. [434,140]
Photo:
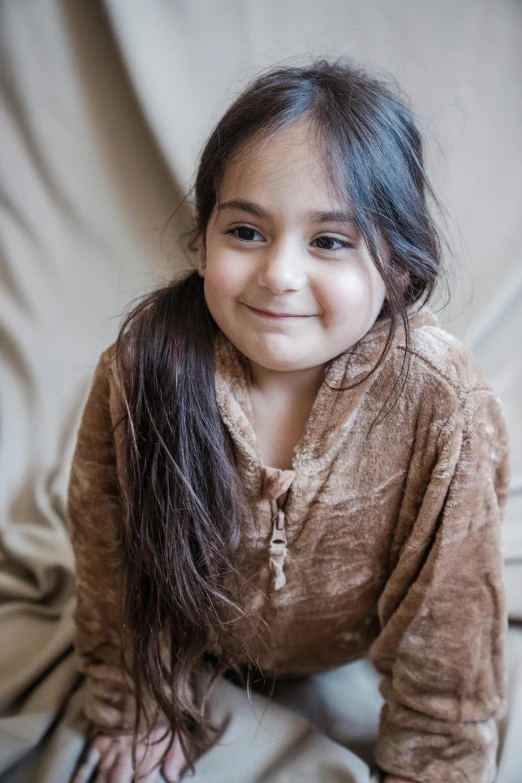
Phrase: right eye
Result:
[245,230]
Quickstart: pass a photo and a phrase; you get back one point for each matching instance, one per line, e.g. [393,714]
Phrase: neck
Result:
[290,384]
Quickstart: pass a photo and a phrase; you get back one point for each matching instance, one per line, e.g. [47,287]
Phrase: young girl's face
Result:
[273,246]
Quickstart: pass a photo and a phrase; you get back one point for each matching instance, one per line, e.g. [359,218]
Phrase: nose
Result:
[282,268]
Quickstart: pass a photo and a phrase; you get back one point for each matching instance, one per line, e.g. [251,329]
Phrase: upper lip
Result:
[272,312]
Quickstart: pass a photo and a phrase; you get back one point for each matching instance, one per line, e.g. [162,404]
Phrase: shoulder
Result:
[444,389]
[442,361]
[476,417]
[107,358]
[447,407]
[104,399]
[110,370]
[446,382]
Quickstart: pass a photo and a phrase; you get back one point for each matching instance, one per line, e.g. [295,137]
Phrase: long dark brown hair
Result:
[185,500]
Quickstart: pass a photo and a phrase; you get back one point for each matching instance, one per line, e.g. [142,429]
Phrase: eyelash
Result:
[342,242]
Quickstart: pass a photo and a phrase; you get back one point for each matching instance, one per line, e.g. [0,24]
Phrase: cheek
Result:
[223,276]
[353,292]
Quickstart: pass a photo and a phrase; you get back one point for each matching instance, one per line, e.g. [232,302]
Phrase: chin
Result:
[272,360]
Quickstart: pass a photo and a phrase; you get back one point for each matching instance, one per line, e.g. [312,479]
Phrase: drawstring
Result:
[275,484]
[278,549]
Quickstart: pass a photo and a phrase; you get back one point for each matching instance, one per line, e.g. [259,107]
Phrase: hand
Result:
[111,758]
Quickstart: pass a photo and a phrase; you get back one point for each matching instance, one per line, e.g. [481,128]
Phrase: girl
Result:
[284,463]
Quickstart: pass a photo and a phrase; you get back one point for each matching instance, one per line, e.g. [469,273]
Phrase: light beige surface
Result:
[320,728]
[93,155]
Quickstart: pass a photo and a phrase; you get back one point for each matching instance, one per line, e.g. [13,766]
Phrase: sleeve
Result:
[94,512]
[442,613]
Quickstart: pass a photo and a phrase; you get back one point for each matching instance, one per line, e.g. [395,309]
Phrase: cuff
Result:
[413,745]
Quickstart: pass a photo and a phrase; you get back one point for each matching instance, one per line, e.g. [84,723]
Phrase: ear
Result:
[202,256]
[404,279]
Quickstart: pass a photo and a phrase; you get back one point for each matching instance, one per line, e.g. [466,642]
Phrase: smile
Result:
[276,317]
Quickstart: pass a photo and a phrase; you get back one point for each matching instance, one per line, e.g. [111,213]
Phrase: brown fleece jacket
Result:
[392,546]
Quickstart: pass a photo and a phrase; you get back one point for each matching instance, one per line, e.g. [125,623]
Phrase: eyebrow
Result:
[312,216]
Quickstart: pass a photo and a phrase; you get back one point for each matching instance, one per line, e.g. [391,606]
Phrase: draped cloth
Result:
[102,113]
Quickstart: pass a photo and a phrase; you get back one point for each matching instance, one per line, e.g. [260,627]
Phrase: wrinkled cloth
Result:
[393,536]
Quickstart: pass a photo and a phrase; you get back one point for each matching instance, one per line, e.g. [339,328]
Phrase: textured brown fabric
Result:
[393,546]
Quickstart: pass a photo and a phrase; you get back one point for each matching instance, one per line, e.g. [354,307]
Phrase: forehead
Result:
[289,165]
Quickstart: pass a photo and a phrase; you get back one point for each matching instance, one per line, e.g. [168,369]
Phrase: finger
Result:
[173,776]
[84,773]
[108,758]
[148,768]
[151,776]
[175,763]
[122,771]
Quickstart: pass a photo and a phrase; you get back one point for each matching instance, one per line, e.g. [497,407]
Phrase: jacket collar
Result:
[332,412]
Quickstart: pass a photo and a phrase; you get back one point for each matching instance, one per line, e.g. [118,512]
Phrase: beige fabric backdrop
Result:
[103,110]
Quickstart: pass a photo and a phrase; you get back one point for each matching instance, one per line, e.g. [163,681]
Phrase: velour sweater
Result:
[387,545]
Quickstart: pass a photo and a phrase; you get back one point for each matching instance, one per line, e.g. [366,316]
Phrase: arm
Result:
[442,612]
[94,514]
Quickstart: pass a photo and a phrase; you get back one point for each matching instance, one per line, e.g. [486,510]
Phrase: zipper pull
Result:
[278,549]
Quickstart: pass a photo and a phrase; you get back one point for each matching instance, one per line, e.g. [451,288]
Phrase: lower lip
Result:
[271,317]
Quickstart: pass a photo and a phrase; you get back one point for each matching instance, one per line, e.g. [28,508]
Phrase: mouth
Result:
[277,316]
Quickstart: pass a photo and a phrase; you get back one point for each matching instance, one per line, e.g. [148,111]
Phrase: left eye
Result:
[325,243]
